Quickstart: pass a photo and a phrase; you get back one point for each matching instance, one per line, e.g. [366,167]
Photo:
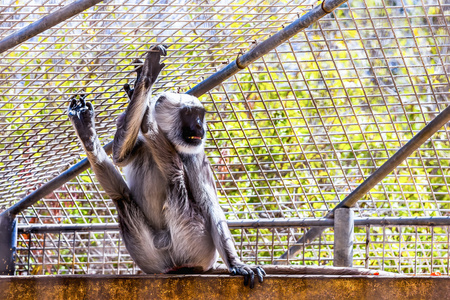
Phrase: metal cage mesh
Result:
[290,136]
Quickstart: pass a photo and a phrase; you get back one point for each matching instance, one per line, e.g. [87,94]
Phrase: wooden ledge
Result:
[289,287]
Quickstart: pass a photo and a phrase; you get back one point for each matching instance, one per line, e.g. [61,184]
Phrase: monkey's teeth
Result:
[195,138]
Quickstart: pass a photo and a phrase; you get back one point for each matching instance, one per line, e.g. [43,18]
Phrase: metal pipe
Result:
[50,186]
[328,222]
[262,223]
[400,156]
[274,223]
[56,228]
[204,86]
[411,221]
[45,23]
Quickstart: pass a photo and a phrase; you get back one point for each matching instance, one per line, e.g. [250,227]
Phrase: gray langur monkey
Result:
[169,214]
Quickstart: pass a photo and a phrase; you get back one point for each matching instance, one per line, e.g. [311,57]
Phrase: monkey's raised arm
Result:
[129,124]
[81,114]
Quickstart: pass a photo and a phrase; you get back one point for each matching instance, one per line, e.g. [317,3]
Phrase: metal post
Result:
[343,237]
[8,240]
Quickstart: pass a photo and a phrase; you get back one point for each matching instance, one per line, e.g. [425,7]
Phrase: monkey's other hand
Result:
[249,273]
[152,66]
[82,116]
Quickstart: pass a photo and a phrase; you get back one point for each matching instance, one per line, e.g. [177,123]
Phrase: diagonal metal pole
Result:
[45,23]
[401,155]
[217,78]
[52,185]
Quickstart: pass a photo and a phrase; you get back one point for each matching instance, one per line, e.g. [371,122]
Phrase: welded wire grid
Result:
[290,136]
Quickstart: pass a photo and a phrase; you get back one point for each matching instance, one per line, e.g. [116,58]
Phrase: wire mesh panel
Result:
[103,252]
[290,136]
[93,252]
[415,250]
[418,250]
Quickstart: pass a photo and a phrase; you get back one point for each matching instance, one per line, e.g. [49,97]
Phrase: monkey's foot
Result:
[249,274]
[150,70]
[82,116]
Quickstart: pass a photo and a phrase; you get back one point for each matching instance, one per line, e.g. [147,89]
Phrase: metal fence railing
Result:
[418,246]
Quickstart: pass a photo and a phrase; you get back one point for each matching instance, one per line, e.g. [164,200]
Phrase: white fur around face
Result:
[166,115]
[188,149]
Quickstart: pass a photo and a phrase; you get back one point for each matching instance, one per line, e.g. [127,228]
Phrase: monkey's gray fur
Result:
[169,214]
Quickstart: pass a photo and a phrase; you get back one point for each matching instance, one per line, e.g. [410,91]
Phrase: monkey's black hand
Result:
[249,274]
[151,68]
[81,114]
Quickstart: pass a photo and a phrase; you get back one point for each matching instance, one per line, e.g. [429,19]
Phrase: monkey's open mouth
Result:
[195,137]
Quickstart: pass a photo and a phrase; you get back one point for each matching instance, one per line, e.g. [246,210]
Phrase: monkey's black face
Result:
[192,127]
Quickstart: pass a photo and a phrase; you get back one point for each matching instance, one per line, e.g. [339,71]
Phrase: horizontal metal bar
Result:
[416,221]
[325,222]
[262,223]
[45,23]
[67,228]
[273,223]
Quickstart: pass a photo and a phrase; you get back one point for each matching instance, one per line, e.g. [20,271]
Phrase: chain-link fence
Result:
[289,137]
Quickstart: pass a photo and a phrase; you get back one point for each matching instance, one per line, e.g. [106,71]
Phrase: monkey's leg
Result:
[200,175]
[225,245]
[129,123]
